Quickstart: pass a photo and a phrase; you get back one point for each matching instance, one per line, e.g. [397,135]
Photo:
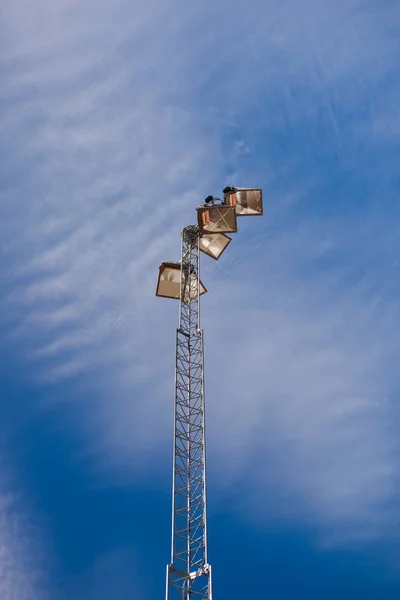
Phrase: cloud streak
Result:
[21,550]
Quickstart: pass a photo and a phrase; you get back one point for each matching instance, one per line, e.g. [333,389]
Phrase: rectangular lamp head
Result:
[217,219]
[247,201]
[213,244]
[169,282]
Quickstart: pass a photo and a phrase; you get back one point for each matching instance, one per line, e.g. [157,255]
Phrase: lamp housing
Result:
[169,282]
[217,218]
[247,201]
[213,244]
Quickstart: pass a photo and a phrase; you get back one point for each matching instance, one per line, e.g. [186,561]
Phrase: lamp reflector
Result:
[247,201]
[169,282]
[213,244]
[217,219]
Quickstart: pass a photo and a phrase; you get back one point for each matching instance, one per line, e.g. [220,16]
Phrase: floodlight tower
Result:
[189,573]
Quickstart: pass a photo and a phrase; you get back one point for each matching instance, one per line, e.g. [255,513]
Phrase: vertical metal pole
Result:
[189,574]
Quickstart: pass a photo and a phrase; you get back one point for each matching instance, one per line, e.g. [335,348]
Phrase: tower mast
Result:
[189,573]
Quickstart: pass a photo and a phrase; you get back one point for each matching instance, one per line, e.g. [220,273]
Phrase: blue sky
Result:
[117,119]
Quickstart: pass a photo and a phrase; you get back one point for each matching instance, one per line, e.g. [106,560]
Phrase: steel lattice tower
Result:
[189,573]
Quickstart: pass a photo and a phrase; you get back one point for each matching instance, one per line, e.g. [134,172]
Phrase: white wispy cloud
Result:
[22,573]
[115,124]
[302,391]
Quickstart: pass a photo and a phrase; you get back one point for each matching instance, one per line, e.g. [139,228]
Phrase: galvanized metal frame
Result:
[189,574]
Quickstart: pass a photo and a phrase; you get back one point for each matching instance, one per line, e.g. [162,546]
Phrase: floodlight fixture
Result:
[217,219]
[213,244]
[169,282]
[247,201]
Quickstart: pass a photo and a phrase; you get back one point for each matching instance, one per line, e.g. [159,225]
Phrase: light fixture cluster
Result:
[215,219]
